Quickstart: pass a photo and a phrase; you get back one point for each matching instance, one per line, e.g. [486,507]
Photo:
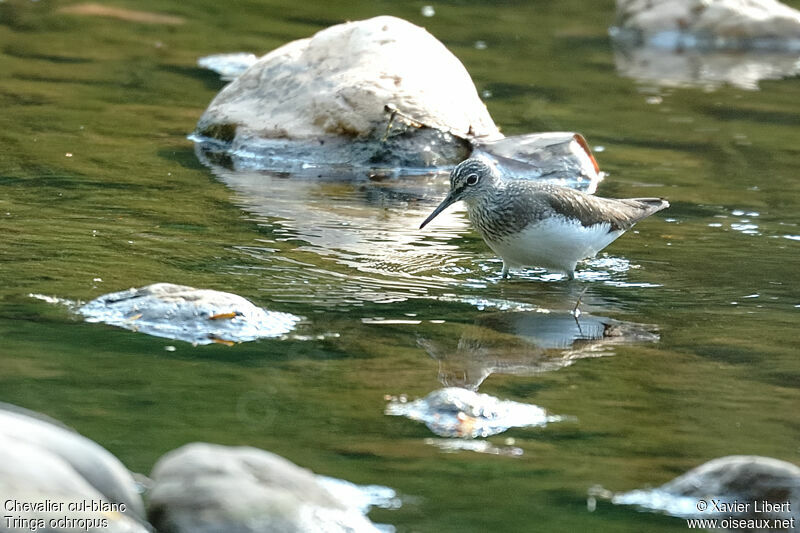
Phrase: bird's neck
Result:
[492,212]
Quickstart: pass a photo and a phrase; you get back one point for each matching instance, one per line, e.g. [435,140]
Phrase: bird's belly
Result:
[555,244]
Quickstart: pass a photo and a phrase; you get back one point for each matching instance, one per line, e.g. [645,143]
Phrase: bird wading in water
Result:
[538,224]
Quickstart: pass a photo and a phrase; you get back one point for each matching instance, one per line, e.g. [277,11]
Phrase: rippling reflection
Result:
[704,68]
[369,226]
[526,343]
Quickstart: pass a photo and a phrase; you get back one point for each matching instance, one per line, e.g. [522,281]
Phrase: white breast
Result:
[556,243]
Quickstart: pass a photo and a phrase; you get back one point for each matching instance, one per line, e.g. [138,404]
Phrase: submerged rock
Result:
[199,316]
[563,158]
[559,157]
[747,479]
[44,462]
[457,412]
[207,488]
[228,66]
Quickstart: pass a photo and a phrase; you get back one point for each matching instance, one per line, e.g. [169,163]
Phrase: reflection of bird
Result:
[529,223]
[527,343]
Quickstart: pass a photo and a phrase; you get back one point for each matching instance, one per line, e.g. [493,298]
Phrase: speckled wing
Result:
[590,210]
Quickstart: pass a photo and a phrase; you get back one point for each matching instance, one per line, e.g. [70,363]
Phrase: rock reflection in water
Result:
[560,157]
[704,68]
[526,343]
[706,42]
[371,226]
[477,446]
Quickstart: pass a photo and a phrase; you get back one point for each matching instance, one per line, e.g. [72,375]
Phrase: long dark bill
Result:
[447,202]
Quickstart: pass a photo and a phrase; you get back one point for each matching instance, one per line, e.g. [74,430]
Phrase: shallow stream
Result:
[100,190]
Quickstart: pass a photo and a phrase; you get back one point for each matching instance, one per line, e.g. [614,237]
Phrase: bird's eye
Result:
[472,179]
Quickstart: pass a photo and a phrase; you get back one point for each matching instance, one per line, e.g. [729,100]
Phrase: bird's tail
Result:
[646,206]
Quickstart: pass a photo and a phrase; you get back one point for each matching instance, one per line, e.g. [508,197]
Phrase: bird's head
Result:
[470,180]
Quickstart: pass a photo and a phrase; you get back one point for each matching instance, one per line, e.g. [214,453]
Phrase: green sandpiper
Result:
[530,223]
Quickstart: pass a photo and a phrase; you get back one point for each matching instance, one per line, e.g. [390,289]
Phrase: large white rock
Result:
[374,94]
[339,81]
[727,19]
[207,488]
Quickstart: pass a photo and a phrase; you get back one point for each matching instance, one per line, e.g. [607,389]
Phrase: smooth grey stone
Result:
[207,488]
[746,479]
[44,462]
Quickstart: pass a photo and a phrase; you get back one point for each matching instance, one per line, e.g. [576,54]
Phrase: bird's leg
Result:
[505,270]
[575,311]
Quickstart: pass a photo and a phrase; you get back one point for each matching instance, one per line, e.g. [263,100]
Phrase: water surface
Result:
[101,191]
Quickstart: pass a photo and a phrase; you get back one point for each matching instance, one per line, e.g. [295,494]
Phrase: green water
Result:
[132,205]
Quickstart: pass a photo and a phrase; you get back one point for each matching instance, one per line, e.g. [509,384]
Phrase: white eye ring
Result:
[472,179]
